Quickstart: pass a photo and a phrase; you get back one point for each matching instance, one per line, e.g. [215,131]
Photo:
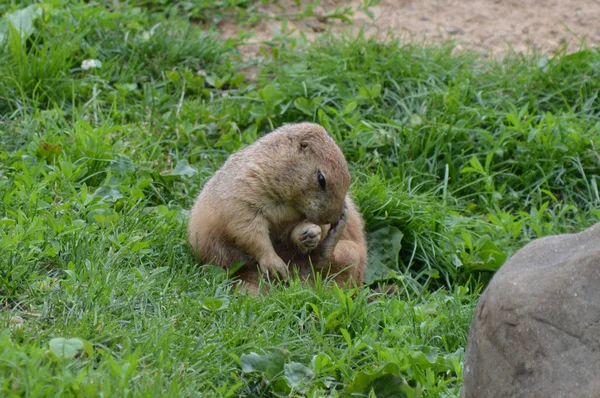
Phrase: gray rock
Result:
[536,328]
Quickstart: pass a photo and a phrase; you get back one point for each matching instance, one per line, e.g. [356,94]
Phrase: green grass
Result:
[457,162]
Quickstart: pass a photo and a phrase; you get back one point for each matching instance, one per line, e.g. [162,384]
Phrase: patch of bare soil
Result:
[491,27]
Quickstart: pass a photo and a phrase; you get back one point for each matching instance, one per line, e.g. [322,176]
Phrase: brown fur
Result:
[265,206]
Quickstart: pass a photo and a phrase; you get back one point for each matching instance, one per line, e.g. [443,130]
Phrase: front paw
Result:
[274,267]
[306,236]
[337,229]
[325,251]
[342,221]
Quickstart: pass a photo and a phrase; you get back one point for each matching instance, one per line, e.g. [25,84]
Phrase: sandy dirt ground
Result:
[490,27]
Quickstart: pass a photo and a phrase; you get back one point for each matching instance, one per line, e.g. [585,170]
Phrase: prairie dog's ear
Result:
[303,146]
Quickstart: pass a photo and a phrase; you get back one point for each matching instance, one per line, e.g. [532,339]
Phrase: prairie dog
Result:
[283,199]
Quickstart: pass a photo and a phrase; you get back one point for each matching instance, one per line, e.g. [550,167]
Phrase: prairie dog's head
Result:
[317,171]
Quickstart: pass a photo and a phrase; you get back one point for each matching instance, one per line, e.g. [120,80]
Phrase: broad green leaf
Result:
[425,357]
[350,107]
[109,194]
[319,362]
[66,348]
[183,168]
[270,365]
[303,105]
[389,386]
[295,374]
[214,304]
[122,164]
[385,381]
[235,267]
[214,270]
[415,120]
[21,20]
[384,247]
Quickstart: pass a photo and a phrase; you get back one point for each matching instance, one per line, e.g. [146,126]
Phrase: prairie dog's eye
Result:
[321,179]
